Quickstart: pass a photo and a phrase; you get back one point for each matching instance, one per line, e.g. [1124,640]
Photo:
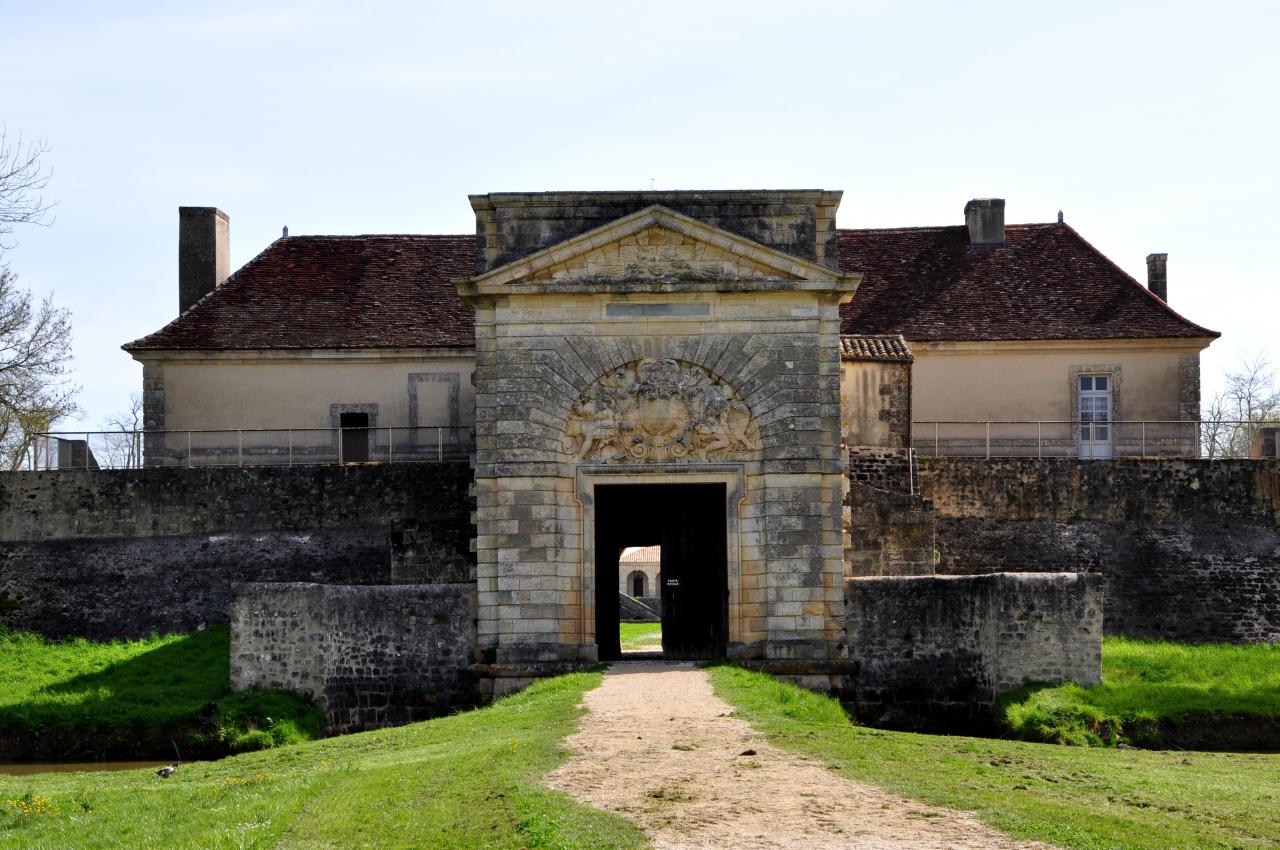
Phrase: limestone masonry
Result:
[722,376]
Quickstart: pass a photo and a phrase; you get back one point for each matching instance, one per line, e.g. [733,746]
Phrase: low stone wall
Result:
[937,651]
[372,656]
[888,533]
[124,553]
[1190,549]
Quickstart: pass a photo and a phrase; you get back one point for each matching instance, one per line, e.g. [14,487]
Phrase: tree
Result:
[35,350]
[35,338]
[1231,419]
[121,445]
[22,178]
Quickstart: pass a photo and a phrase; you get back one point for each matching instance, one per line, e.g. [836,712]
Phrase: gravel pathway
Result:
[659,747]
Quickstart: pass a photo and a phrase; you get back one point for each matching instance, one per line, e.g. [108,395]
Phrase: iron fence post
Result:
[1039,440]
[439,445]
[1144,438]
[988,441]
[390,448]
[290,447]
[936,453]
[239,447]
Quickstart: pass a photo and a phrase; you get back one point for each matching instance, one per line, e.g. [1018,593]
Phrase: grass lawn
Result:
[1145,686]
[1078,797]
[470,780]
[138,694]
[641,635]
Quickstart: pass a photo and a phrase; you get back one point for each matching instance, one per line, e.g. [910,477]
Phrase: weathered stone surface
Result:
[372,656]
[1190,549]
[934,650]
[513,225]
[127,553]
[660,348]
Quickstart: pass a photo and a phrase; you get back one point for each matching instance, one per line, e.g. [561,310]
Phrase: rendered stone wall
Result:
[372,656]
[875,403]
[936,650]
[1189,549]
[124,553]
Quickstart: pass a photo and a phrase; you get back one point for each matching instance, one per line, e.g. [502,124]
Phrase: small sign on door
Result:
[673,582]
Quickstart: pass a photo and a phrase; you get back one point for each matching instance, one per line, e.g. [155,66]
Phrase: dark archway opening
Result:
[688,522]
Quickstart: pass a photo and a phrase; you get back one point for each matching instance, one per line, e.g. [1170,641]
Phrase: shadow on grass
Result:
[170,682]
[131,707]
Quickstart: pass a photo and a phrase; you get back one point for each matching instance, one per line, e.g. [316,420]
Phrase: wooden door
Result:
[695,608]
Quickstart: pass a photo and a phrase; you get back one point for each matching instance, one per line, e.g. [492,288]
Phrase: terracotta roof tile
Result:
[334,292]
[891,348]
[921,283]
[926,283]
[642,555]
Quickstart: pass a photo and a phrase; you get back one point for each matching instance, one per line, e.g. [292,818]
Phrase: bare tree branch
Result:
[120,447]
[23,178]
[1231,420]
[35,353]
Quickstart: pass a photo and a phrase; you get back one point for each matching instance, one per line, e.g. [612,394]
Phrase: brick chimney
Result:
[1158,276]
[985,219]
[204,253]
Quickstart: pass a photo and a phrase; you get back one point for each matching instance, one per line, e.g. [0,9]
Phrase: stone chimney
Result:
[1158,276]
[204,253]
[985,219]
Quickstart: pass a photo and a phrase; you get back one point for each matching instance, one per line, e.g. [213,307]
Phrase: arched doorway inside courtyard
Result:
[688,522]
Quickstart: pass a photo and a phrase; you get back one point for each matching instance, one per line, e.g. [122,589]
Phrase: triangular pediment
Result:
[655,246]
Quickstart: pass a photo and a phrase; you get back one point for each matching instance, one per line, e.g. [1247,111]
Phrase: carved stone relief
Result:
[660,411]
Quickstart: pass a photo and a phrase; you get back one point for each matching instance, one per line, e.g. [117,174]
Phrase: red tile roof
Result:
[334,292]
[926,283]
[891,348]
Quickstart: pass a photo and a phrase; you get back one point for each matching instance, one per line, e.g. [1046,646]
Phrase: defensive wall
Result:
[936,651]
[372,655]
[357,585]
[125,553]
[1189,549]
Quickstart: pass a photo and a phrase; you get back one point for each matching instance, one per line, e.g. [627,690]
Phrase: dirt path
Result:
[657,746]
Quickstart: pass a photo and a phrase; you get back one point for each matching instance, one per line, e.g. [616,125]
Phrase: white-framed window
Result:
[1094,415]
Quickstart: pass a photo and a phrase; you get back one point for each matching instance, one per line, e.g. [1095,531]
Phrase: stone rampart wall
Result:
[940,649]
[372,656]
[1190,549]
[125,553]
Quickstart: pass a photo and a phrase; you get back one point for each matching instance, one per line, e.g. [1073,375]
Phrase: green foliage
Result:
[149,689]
[1145,684]
[1075,797]
[470,780]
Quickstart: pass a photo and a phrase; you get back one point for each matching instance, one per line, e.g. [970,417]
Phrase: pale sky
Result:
[1153,126]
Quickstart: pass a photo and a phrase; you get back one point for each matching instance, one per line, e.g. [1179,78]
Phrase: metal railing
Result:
[1084,439]
[247,447]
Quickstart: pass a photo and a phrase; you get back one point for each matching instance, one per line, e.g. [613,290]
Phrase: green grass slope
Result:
[1077,797]
[1151,691]
[466,781]
[85,699]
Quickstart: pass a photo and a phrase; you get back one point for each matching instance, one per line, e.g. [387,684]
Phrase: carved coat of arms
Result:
[660,411]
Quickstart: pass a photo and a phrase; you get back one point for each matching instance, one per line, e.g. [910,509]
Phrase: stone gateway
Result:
[660,347]
[432,452]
